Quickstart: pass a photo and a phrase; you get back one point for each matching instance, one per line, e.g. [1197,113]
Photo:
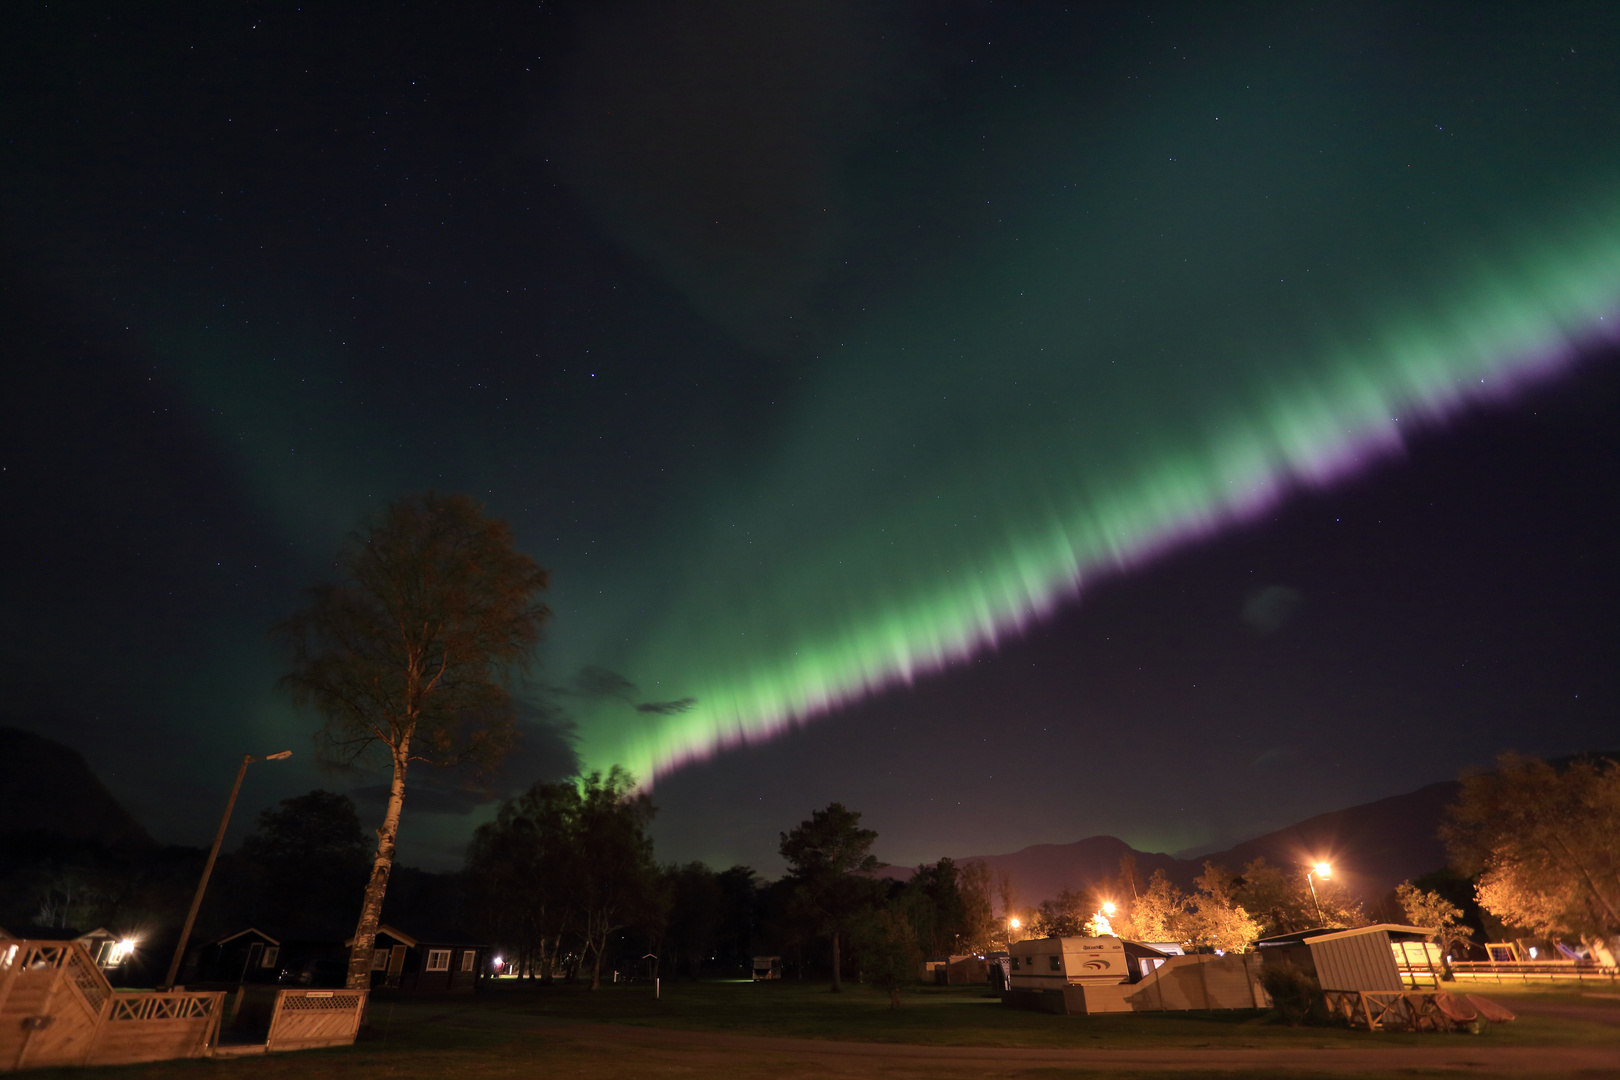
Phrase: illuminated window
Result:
[438,960]
[379,960]
[468,959]
[269,957]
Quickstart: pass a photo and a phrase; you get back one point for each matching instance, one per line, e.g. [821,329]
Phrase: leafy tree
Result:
[696,900]
[404,657]
[520,871]
[1280,900]
[887,946]
[1545,842]
[1217,920]
[1159,912]
[933,901]
[304,862]
[739,907]
[1433,912]
[826,857]
[1066,915]
[615,877]
[978,926]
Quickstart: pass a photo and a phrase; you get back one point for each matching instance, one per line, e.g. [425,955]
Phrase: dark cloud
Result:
[1268,610]
[666,708]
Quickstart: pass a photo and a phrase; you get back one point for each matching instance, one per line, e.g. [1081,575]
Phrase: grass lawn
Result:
[520,1031]
[963,1016]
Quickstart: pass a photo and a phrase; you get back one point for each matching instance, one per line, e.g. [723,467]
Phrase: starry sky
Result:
[1018,422]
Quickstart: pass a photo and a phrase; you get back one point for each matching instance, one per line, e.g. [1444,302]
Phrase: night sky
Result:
[1017,422]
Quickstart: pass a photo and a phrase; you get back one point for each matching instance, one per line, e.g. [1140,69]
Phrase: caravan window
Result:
[1056,962]
[438,960]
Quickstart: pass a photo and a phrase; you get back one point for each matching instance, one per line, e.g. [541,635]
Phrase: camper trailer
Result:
[1055,962]
[767,967]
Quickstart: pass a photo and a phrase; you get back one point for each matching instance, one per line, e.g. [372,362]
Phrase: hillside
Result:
[48,787]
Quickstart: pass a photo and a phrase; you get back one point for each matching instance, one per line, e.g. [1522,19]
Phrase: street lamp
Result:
[1324,871]
[1012,924]
[208,867]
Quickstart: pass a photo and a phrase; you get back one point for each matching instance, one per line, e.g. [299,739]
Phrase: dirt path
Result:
[716,1053]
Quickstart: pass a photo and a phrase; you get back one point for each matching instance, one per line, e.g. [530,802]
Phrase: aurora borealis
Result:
[820,351]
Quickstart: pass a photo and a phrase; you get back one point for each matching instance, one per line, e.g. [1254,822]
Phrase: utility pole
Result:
[208,867]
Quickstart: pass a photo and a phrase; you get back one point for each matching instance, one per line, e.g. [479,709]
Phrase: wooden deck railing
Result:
[1534,970]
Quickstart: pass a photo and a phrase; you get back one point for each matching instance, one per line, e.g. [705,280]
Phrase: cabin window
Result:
[1056,962]
[469,959]
[379,959]
[438,960]
[270,954]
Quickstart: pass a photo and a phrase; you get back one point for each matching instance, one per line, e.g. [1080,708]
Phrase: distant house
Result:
[268,955]
[106,948]
[443,962]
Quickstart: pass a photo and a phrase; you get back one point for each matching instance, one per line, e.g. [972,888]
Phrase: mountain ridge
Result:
[1372,846]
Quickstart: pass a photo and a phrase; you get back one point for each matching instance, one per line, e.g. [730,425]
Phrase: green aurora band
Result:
[1007,533]
[1110,301]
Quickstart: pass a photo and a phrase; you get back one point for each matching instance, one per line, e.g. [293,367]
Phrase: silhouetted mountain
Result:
[46,787]
[1373,847]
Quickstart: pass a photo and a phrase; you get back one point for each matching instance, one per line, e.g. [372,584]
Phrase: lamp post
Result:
[208,867]
[1323,871]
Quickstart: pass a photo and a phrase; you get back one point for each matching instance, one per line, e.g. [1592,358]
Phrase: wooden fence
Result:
[304,1019]
[57,1008]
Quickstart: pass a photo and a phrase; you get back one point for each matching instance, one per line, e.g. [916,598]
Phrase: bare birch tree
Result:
[406,657]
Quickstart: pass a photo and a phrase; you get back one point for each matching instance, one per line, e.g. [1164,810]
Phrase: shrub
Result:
[1295,994]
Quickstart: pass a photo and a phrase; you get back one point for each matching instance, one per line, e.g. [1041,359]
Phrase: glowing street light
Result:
[1108,907]
[208,867]
[1324,871]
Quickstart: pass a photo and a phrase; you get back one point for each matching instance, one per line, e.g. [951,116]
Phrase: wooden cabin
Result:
[267,956]
[444,962]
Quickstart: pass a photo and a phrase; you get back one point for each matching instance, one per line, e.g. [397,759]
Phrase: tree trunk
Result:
[837,986]
[596,967]
[365,934]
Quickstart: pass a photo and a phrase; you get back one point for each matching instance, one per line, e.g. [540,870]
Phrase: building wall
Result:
[1356,962]
[1201,982]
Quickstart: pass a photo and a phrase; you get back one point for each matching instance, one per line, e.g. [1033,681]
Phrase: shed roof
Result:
[440,936]
[1396,932]
[250,930]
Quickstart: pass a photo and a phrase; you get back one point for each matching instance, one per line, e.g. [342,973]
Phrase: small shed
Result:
[1363,958]
[962,970]
[441,962]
